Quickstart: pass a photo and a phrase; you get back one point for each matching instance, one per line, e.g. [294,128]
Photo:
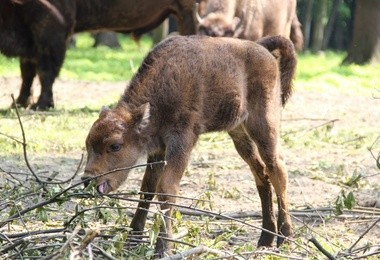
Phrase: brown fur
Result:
[250,19]
[37,31]
[188,86]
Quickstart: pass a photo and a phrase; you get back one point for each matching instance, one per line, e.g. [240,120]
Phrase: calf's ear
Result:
[104,111]
[141,117]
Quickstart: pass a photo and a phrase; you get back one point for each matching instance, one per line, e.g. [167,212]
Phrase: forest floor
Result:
[326,141]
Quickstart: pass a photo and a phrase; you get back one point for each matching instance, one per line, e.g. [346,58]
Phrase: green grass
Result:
[314,72]
[103,63]
[93,64]
[64,129]
[324,72]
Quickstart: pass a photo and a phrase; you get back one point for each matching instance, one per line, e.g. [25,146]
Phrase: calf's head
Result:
[116,141]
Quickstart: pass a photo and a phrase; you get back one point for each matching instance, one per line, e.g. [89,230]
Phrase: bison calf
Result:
[188,86]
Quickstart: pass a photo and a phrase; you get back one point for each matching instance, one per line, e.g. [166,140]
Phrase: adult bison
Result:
[33,31]
[186,87]
[250,19]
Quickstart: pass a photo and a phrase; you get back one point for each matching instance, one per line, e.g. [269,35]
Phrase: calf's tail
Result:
[283,49]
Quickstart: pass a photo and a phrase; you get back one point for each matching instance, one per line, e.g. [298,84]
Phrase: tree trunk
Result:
[306,23]
[365,45]
[330,24]
[106,39]
[319,25]
[341,35]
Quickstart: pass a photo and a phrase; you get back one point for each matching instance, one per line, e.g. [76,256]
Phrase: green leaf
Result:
[349,201]
[339,204]
[42,215]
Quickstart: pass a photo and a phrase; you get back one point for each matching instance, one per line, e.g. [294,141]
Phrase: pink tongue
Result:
[103,187]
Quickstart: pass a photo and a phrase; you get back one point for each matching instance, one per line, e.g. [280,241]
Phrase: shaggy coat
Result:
[188,86]
[250,19]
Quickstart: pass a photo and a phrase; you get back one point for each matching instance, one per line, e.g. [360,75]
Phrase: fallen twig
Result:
[363,234]
[24,142]
[270,253]
[59,253]
[196,251]
[320,248]
[375,250]
[332,121]
[377,158]
[57,196]
[104,253]
[33,233]
[328,212]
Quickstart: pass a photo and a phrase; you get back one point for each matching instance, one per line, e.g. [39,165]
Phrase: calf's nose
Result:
[86,181]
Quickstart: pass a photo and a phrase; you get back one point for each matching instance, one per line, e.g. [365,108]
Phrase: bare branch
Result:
[329,122]
[59,253]
[320,248]
[196,251]
[24,141]
[363,234]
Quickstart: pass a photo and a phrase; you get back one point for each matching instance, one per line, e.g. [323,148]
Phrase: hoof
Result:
[42,106]
[266,240]
[20,102]
[134,239]
[286,231]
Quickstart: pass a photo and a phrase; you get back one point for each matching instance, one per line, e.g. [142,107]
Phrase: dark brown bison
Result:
[250,19]
[188,86]
[34,32]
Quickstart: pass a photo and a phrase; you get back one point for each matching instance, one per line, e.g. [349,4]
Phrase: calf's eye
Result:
[115,147]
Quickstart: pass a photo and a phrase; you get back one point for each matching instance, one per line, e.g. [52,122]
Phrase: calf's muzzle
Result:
[86,181]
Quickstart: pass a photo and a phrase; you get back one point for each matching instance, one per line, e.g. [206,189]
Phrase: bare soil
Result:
[315,174]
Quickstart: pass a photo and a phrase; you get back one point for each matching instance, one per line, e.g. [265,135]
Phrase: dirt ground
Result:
[314,174]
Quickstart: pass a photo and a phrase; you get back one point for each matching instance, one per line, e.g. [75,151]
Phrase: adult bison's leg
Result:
[248,151]
[28,72]
[177,156]
[185,17]
[50,60]
[148,187]
[296,35]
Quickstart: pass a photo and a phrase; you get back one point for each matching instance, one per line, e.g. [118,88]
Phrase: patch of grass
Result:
[324,72]
[64,129]
[56,132]
[93,64]
[102,63]
[314,72]
[9,66]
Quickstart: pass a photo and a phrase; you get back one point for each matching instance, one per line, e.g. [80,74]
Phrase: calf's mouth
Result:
[104,187]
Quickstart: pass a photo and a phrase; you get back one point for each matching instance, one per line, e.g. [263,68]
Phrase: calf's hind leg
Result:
[265,133]
[248,151]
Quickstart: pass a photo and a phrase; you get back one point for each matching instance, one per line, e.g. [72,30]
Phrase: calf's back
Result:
[205,80]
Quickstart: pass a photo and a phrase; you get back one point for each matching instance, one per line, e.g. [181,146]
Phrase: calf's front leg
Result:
[177,156]
[148,185]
